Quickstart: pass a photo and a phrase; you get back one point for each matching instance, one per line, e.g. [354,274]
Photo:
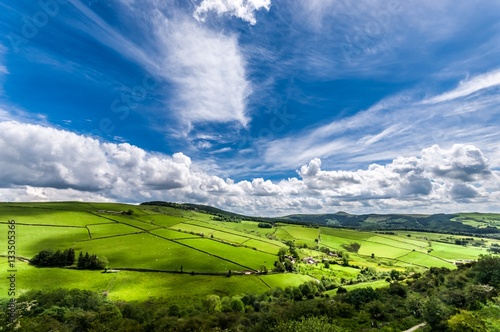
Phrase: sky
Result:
[262,107]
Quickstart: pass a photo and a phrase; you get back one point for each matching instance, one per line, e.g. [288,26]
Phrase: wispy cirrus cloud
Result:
[3,69]
[243,9]
[397,126]
[208,72]
[468,87]
[205,69]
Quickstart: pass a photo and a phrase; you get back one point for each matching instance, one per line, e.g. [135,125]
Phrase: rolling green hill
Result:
[158,245]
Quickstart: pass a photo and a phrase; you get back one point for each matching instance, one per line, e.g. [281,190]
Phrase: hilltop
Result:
[485,224]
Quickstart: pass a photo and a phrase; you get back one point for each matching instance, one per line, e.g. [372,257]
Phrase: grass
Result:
[126,220]
[112,229]
[250,227]
[427,260]
[373,284]
[302,233]
[138,286]
[249,258]
[264,246]
[335,271]
[39,216]
[334,242]
[285,280]
[32,239]
[381,250]
[163,220]
[229,237]
[151,252]
[149,239]
[346,234]
[454,252]
[171,234]
[398,242]
[185,227]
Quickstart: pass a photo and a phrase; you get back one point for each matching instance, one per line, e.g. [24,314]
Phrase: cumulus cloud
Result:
[208,71]
[39,156]
[444,173]
[44,163]
[243,9]
[462,162]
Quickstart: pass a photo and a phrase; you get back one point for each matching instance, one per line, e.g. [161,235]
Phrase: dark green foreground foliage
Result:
[462,300]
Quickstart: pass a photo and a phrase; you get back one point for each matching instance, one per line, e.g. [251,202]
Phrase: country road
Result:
[416,327]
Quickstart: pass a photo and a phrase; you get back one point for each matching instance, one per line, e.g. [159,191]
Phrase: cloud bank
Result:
[44,163]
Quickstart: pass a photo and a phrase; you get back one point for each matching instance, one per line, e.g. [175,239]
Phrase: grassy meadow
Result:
[181,255]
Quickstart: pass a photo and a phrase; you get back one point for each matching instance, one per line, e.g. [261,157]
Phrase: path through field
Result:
[416,327]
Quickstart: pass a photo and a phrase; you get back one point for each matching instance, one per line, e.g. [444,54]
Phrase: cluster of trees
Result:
[49,258]
[495,248]
[352,247]
[286,256]
[265,225]
[226,218]
[465,299]
[91,262]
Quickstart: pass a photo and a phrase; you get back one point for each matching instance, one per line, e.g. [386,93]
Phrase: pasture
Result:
[179,243]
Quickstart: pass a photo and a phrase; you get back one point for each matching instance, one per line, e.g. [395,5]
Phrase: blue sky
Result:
[268,107]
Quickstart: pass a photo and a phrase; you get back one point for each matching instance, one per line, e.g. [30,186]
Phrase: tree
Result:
[91,262]
[395,274]
[307,325]
[51,258]
[282,253]
[70,256]
[237,305]
[279,267]
[360,296]
[436,314]
[212,304]
[288,265]
[80,260]
[345,261]
[466,321]
[487,270]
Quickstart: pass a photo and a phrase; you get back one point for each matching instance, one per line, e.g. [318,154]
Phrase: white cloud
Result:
[400,125]
[468,87]
[43,163]
[243,9]
[208,71]
[206,68]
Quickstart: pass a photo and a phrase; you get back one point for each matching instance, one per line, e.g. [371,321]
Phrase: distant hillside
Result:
[460,223]
[447,223]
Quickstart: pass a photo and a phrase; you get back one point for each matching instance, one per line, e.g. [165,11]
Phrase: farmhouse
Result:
[309,260]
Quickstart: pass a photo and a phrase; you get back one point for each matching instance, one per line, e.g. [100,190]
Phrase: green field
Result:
[32,239]
[248,258]
[139,286]
[172,240]
[372,284]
